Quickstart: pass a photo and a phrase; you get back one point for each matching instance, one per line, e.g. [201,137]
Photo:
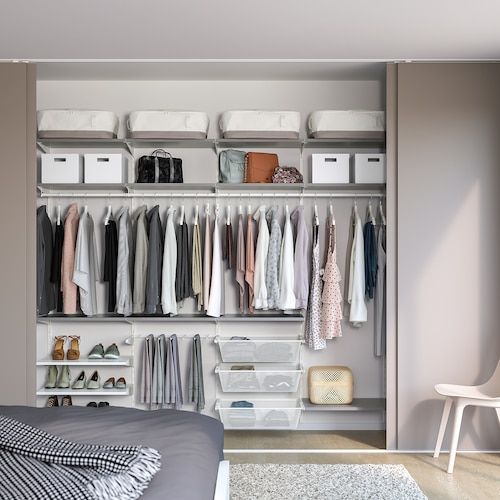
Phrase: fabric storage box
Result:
[260,124]
[369,168]
[331,124]
[76,123]
[330,168]
[265,414]
[104,168]
[168,124]
[259,350]
[330,385]
[61,168]
[262,377]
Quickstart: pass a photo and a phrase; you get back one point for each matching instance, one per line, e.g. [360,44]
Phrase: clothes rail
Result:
[363,194]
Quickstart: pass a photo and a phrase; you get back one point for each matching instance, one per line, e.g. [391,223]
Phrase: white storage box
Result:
[259,350]
[76,123]
[265,414]
[369,168]
[168,125]
[262,377]
[330,168]
[330,124]
[260,124]
[61,169]
[104,168]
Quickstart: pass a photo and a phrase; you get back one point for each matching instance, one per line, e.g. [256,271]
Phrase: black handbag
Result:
[159,169]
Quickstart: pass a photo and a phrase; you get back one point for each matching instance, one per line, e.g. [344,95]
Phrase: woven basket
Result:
[330,385]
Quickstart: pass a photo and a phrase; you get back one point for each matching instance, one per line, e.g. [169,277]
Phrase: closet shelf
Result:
[129,144]
[358,405]
[181,318]
[123,361]
[85,392]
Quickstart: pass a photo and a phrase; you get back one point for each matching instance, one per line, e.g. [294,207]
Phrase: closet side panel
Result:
[17,266]
[448,245]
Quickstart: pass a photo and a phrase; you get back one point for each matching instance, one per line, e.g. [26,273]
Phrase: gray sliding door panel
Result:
[448,245]
[17,223]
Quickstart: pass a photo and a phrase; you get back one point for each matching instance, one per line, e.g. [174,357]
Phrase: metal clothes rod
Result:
[363,194]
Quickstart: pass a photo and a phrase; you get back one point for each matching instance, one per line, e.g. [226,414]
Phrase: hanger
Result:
[196,214]
[240,210]
[381,212]
[287,210]
[316,216]
[330,213]
[207,209]
[181,217]
[58,215]
[370,213]
[108,215]
[228,215]
[85,209]
[217,210]
[249,209]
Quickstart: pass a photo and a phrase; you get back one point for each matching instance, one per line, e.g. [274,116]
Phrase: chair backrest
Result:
[492,386]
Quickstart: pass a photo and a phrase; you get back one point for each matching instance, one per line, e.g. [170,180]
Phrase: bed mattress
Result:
[77,123]
[260,124]
[190,444]
[330,124]
[168,124]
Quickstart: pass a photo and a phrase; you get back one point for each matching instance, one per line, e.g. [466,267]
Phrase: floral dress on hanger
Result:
[331,300]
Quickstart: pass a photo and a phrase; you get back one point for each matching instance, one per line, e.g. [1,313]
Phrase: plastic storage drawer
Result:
[265,414]
[61,169]
[259,350]
[104,168]
[263,377]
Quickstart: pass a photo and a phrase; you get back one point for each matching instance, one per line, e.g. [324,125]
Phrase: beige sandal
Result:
[58,351]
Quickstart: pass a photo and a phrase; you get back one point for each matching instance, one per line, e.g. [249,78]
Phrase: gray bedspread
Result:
[191,444]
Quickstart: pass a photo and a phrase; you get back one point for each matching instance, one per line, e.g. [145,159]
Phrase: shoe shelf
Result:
[85,392]
[358,404]
[122,361]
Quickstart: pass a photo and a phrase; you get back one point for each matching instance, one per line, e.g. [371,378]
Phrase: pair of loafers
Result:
[102,404]
[94,382]
[98,352]
[111,383]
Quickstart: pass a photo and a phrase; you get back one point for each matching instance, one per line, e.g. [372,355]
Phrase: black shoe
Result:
[52,401]
[67,401]
[102,404]
[93,404]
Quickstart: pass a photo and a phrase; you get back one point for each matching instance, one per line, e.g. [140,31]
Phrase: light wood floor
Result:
[476,475]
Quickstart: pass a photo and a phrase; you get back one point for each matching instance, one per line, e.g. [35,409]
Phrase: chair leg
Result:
[457,422]
[442,427]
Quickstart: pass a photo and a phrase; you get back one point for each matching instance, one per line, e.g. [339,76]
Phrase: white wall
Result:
[355,349]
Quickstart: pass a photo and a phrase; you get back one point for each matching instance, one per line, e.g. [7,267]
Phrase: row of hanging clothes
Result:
[160,381]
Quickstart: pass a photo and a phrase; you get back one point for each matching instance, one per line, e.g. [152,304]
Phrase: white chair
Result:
[487,394]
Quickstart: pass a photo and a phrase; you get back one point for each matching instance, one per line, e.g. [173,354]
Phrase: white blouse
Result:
[358,313]
[259,283]
[286,279]
[216,297]
[168,301]
[123,269]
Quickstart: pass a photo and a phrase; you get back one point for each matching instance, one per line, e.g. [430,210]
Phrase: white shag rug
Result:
[322,481]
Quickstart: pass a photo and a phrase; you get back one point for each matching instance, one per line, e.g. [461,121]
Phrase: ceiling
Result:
[250,29]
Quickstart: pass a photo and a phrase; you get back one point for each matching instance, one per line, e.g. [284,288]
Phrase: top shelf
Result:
[46,145]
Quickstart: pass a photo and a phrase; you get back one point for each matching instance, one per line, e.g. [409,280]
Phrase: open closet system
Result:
[301,87]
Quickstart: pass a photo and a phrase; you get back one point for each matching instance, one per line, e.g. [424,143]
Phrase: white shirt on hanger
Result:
[215,307]
[168,301]
[286,279]
[86,270]
[259,283]
[358,313]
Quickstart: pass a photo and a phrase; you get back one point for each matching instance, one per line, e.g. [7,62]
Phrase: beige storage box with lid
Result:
[77,124]
[330,385]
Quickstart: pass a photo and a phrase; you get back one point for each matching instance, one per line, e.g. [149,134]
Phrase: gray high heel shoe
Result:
[50,382]
[79,383]
[94,381]
[64,378]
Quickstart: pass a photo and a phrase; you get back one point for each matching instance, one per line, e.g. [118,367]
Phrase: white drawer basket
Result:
[104,168]
[265,377]
[330,168]
[266,414]
[259,350]
[61,169]
[369,168]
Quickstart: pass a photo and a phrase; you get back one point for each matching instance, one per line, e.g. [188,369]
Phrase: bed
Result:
[191,444]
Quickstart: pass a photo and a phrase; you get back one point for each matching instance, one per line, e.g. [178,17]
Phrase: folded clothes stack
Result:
[242,414]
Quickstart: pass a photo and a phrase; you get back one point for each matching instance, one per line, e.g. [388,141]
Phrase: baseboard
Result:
[342,426]
[356,451]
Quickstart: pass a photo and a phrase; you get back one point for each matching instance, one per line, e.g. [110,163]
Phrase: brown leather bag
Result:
[259,167]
